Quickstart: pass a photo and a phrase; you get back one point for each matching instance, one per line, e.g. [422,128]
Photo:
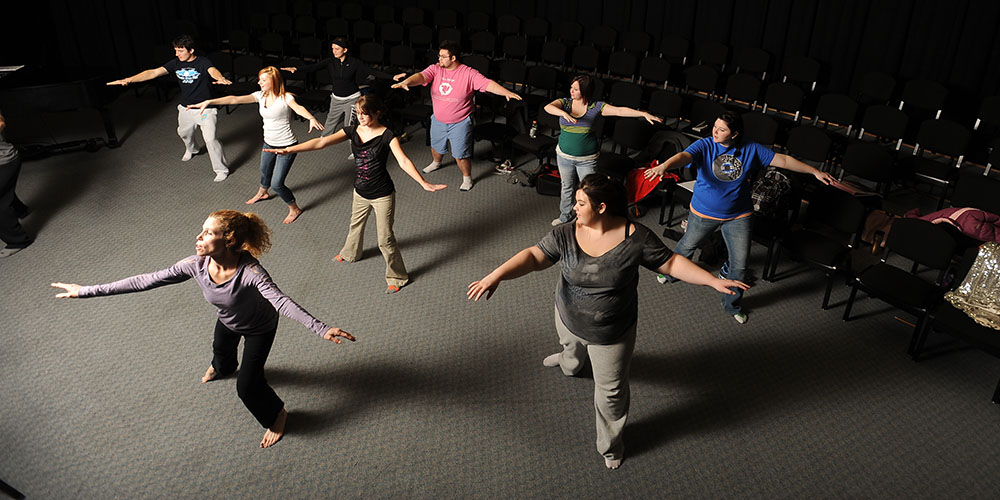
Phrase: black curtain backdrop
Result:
[955,43]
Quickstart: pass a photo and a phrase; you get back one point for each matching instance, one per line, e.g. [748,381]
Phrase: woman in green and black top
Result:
[576,153]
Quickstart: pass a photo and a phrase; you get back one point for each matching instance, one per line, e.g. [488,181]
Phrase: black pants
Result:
[251,385]
[11,208]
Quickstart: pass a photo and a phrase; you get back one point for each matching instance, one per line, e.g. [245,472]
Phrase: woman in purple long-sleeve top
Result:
[225,266]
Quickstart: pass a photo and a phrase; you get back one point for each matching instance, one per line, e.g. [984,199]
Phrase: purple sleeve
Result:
[283,303]
[181,271]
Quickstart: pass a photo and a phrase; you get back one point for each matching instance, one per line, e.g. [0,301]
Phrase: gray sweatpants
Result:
[341,114]
[610,364]
[190,119]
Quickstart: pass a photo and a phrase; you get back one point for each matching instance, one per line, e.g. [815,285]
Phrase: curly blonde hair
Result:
[243,231]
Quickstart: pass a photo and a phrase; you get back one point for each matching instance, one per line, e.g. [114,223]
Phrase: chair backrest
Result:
[535,27]
[868,161]
[743,87]
[403,57]
[542,78]
[515,47]
[977,191]
[885,122]
[508,24]
[413,16]
[482,42]
[632,133]
[702,78]
[925,95]
[666,104]
[784,97]
[622,64]
[636,42]
[372,53]
[922,242]
[838,210]
[625,94]
[989,112]
[603,38]
[753,60]
[675,50]
[477,21]
[477,62]
[512,72]
[310,47]
[335,27]
[384,14]
[392,34]
[943,137]
[809,143]
[876,88]
[801,70]
[445,18]
[568,32]
[714,54]
[654,69]
[585,58]
[554,53]
[352,12]
[760,128]
[837,109]
[705,111]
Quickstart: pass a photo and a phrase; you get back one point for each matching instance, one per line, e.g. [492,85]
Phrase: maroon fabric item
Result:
[972,222]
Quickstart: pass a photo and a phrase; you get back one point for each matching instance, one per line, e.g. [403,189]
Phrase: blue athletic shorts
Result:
[457,135]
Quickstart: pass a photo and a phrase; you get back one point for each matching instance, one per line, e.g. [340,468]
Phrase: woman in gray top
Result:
[596,298]
[225,266]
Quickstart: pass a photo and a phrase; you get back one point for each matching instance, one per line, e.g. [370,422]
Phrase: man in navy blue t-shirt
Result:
[193,74]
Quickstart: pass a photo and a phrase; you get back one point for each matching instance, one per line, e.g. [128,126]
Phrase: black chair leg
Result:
[850,301]
[996,395]
[829,288]
[918,340]
[915,338]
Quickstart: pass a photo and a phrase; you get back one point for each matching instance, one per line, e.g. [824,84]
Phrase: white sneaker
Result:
[740,318]
[551,360]
[221,176]
[350,156]
[661,279]
[466,185]
[432,167]
[187,156]
[504,168]
[556,221]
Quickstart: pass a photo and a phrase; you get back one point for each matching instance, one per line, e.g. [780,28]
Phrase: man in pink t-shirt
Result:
[452,89]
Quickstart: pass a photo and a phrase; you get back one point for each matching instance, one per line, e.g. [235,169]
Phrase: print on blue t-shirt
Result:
[723,189]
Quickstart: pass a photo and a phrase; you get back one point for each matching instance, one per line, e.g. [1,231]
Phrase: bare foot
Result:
[210,374]
[258,197]
[277,429]
[293,213]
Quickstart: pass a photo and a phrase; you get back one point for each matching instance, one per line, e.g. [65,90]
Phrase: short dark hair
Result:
[586,89]
[603,189]
[341,41]
[451,46]
[371,105]
[735,123]
[184,41]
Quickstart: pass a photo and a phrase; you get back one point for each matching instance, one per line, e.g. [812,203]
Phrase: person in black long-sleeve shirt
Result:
[344,70]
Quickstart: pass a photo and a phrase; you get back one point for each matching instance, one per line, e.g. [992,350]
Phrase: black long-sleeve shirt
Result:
[344,74]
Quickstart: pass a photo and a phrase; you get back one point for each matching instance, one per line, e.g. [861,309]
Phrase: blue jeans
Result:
[737,235]
[273,170]
[570,173]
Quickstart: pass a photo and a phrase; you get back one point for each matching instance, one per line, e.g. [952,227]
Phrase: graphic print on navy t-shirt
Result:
[187,75]
[727,168]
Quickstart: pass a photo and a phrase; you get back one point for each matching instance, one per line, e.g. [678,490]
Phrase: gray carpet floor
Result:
[439,397]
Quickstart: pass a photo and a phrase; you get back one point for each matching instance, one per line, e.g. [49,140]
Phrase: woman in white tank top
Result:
[274,104]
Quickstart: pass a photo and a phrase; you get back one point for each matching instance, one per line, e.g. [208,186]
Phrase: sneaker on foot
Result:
[221,176]
[187,156]
[740,318]
[661,279]
[551,360]
[8,251]
[466,185]
[391,289]
[432,167]
[338,258]
[612,463]
[350,156]
[556,221]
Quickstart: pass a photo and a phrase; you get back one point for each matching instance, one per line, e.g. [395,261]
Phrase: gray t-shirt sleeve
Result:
[183,270]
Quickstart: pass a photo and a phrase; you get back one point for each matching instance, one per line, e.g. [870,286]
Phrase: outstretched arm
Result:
[229,99]
[683,269]
[528,260]
[414,79]
[407,165]
[312,144]
[788,163]
[217,76]
[149,74]
[303,112]
[500,90]
[676,161]
[609,110]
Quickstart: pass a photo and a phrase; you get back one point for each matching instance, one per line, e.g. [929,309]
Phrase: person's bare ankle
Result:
[210,374]
[274,433]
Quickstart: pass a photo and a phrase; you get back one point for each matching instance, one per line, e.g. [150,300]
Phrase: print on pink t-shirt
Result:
[452,91]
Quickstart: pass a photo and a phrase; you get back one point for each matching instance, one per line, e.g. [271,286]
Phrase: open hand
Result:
[723,286]
[72,290]
[334,334]
[484,286]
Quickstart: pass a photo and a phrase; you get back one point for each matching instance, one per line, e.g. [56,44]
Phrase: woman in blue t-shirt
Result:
[721,198]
